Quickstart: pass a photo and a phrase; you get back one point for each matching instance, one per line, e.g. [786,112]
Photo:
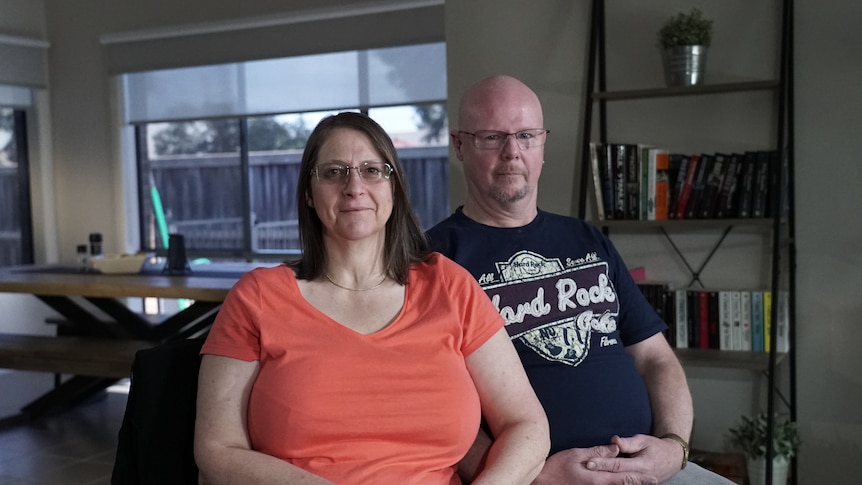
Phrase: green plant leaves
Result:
[686,29]
[750,436]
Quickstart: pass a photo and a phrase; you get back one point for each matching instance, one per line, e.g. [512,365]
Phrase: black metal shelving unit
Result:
[780,227]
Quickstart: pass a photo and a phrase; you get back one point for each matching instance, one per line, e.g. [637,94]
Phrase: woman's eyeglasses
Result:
[338,173]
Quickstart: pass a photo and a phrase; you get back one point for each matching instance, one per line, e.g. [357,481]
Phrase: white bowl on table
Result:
[119,263]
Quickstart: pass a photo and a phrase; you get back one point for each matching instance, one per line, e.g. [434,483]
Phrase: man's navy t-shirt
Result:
[570,307]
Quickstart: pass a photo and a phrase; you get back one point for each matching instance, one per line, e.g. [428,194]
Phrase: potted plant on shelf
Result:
[749,436]
[684,39]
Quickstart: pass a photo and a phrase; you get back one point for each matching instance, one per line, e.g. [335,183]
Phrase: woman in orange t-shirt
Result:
[368,360]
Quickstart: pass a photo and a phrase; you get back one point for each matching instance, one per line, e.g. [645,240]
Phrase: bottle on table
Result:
[82,258]
[95,244]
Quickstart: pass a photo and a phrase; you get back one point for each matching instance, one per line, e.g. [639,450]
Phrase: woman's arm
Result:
[510,406]
[222,448]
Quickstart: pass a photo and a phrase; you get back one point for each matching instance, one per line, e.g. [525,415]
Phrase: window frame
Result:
[247,251]
[24,209]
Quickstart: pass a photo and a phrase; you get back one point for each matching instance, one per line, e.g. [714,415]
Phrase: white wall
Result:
[544,42]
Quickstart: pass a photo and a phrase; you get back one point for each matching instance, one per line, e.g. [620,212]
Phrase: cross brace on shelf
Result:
[695,274]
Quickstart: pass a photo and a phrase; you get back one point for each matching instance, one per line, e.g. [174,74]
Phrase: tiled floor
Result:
[76,447]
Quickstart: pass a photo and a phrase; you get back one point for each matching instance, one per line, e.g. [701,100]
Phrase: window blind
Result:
[363,25]
[378,77]
[23,62]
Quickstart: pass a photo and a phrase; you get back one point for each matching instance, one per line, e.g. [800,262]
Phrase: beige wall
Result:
[543,46]
[543,43]
[23,18]
[828,72]
[828,201]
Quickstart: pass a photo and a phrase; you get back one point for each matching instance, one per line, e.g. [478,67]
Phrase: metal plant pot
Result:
[757,471]
[684,65]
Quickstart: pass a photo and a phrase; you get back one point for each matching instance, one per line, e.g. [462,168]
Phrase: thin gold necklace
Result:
[354,289]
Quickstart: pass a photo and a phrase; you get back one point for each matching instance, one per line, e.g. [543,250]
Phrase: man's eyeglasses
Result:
[494,140]
[338,173]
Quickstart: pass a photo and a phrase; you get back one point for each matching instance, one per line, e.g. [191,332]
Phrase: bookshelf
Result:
[777,230]
[671,92]
[723,359]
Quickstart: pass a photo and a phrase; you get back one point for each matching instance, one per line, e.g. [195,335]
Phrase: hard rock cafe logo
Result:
[553,310]
[526,264]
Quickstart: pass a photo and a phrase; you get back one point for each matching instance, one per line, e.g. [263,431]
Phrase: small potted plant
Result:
[684,39]
[749,436]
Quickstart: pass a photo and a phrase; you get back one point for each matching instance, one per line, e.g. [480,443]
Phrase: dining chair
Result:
[156,438]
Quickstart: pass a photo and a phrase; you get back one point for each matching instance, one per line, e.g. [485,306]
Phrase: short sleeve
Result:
[235,332]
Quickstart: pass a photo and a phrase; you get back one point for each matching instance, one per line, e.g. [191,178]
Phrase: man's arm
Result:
[672,413]
[668,390]
[651,456]
[563,468]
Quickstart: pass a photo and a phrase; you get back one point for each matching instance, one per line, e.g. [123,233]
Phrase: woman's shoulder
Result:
[436,261]
[266,275]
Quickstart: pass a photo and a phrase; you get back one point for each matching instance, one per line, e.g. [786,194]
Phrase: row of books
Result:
[723,320]
[639,182]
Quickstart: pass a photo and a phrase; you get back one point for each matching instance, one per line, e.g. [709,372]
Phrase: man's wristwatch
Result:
[682,443]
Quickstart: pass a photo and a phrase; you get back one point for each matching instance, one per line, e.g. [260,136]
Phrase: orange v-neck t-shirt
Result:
[394,406]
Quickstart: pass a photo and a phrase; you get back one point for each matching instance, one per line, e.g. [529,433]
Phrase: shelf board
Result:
[726,359]
[701,89]
[763,224]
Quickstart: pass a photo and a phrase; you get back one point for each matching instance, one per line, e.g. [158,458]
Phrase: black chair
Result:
[157,435]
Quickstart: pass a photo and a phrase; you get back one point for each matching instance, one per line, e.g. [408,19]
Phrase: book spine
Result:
[662,186]
[714,323]
[712,186]
[693,319]
[595,150]
[619,190]
[725,322]
[644,189]
[606,172]
[703,318]
[746,189]
[632,182]
[648,200]
[757,321]
[736,319]
[688,183]
[767,321]
[669,313]
[699,186]
[745,319]
[761,185]
[681,317]
[678,166]
[726,204]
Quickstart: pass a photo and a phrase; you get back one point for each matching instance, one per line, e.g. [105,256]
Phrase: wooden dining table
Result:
[107,306]
[76,295]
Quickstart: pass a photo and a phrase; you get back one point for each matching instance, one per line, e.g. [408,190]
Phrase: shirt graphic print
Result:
[554,309]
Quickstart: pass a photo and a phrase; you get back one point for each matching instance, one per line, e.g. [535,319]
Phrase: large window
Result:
[219,146]
[16,242]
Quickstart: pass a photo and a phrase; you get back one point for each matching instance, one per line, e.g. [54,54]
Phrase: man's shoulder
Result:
[565,222]
[455,220]
[449,232]
[458,229]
